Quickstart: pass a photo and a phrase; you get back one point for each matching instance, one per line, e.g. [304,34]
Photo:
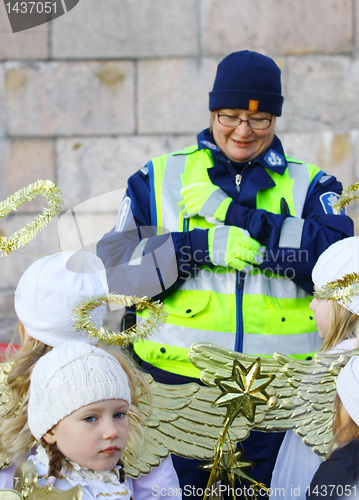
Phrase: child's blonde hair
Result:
[342,324]
[16,438]
[342,433]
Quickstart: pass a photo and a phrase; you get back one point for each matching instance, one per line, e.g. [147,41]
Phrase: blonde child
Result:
[337,325]
[80,411]
[338,476]
[44,300]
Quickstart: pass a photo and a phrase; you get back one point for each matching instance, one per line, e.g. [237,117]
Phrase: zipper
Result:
[238,180]
[238,346]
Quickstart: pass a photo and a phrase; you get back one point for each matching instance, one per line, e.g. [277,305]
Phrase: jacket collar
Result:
[273,158]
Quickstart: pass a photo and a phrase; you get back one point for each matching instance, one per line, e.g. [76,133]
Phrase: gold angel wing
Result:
[305,390]
[26,484]
[184,422]
[10,495]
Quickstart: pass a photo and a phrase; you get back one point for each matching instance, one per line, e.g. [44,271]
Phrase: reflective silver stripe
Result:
[300,174]
[204,279]
[220,240]
[211,281]
[213,202]
[136,257]
[278,288]
[291,233]
[179,336]
[171,188]
[144,170]
[266,345]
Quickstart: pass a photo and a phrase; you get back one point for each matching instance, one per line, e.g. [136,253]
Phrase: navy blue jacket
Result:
[338,476]
[321,227]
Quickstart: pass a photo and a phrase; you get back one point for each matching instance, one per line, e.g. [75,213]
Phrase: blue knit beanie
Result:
[247,80]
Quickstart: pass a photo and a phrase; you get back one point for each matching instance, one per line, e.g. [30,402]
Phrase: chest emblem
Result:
[274,159]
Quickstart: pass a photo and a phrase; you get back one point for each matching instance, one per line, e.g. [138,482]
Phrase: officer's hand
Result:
[232,246]
[204,199]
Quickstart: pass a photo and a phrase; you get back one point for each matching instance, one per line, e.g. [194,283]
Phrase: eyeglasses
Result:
[235,121]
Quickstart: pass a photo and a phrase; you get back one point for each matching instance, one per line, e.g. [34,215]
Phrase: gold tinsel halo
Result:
[346,197]
[29,231]
[343,289]
[154,321]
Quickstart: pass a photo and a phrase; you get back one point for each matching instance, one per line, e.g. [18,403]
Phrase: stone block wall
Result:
[89,98]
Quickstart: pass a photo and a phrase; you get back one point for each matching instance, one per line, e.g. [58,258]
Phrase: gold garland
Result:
[154,321]
[343,289]
[346,198]
[29,231]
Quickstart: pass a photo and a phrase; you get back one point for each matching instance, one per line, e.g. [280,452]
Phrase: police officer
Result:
[246,226]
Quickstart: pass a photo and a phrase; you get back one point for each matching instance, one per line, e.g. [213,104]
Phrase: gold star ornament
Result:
[244,390]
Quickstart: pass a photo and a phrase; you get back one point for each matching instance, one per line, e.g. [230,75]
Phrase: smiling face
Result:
[95,436]
[242,144]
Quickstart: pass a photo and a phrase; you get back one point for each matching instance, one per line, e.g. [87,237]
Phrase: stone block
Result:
[355,218]
[30,44]
[322,94]
[46,99]
[113,29]
[333,153]
[90,167]
[173,95]
[82,231]
[353,208]
[277,26]
[355,140]
[25,161]
[8,318]
[2,112]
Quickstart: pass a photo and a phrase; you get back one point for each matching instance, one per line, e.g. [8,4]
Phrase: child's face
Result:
[95,436]
[321,309]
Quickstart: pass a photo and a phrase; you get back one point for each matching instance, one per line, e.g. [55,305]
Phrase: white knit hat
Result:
[49,290]
[348,387]
[339,259]
[69,377]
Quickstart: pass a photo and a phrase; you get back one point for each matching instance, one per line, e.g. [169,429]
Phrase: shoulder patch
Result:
[122,214]
[328,200]
[274,159]
[324,178]
[210,145]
